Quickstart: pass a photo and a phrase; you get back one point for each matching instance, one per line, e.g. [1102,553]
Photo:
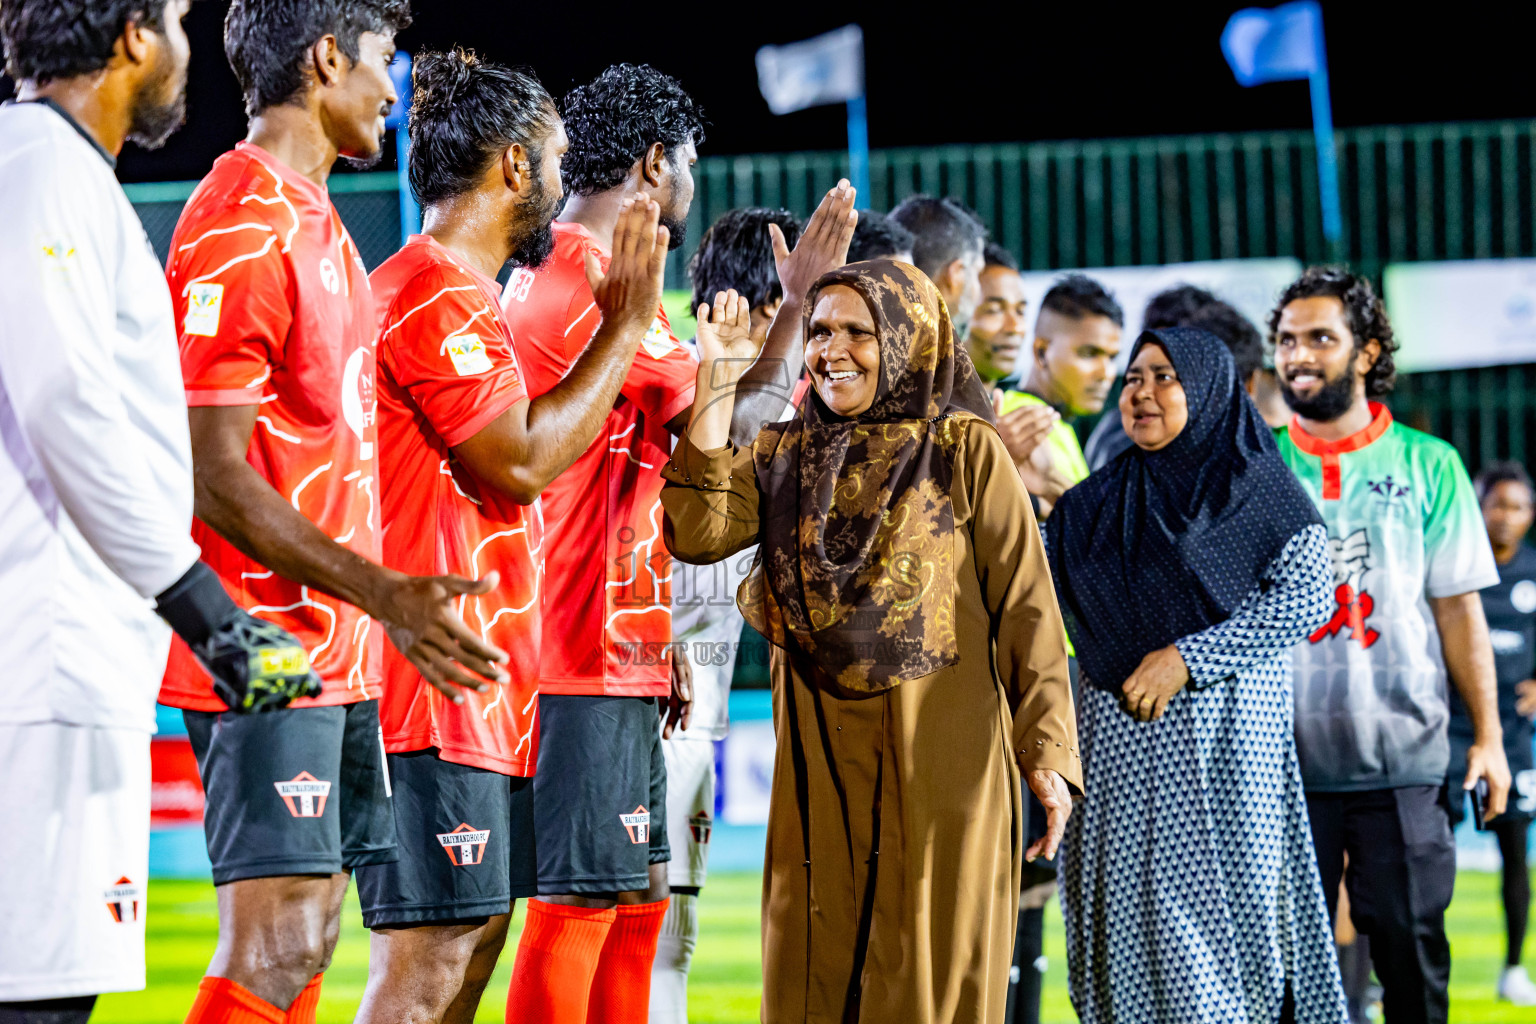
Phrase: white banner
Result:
[1462,313]
[1250,285]
[828,68]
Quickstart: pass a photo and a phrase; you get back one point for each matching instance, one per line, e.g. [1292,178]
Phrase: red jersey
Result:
[274,309]
[607,589]
[446,370]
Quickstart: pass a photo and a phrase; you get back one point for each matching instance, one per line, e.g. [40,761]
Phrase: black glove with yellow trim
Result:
[256,666]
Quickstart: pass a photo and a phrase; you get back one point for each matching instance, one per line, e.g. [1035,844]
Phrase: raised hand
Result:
[725,329]
[630,291]
[422,624]
[823,245]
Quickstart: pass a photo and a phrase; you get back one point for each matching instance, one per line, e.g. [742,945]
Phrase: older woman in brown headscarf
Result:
[918,661]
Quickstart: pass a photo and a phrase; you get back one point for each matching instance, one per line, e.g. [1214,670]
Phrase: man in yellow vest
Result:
[1071,369]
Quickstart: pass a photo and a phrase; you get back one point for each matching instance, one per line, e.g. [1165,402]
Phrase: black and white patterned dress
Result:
[1191,887]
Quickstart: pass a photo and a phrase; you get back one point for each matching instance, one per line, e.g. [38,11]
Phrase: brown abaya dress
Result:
[895,833]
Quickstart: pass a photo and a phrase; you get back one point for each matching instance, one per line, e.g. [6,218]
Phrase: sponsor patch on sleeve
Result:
[658,340]
[204,302]
[468,354]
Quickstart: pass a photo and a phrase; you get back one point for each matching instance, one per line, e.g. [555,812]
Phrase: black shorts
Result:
[600,794]
[300,791]
[466,845]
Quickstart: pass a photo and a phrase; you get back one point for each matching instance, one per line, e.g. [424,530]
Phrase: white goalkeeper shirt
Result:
[95,457]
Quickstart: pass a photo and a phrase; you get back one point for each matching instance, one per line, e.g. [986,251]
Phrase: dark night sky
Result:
[1024,71]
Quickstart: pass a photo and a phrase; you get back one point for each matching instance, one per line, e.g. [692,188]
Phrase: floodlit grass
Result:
[726,976]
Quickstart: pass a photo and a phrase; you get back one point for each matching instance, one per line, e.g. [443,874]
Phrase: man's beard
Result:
[533,233]
[1332,400]
[365,163]
[153,122]
[676,224]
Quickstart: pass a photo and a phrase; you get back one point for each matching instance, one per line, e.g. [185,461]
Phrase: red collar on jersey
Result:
[1329,451]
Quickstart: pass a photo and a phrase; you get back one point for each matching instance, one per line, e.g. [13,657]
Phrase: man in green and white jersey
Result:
[1409,555]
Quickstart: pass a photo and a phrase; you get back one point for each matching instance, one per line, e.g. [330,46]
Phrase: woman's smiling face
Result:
[842,351]
[1153,407]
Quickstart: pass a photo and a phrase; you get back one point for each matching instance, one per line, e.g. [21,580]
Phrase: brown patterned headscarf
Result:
[856,565]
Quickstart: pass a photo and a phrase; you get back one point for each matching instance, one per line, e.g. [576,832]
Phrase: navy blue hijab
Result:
[1158,545]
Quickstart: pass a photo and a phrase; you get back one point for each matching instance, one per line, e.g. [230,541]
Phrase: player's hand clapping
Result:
[1025,428]
[630,291]
[419,617]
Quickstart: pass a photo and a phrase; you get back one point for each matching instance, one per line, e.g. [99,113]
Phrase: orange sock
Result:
[556,959]
[621,990]
[303,1009]
[221,1001]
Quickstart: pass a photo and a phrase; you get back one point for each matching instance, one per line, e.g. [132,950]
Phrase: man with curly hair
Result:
[1409,557]
[278,335]
[599,792]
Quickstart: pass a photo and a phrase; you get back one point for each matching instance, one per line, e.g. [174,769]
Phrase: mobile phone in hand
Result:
[1480,805]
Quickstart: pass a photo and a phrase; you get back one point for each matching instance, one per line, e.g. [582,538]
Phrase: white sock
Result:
[674,952]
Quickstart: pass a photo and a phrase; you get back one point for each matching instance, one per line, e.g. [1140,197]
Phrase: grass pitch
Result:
[727,971]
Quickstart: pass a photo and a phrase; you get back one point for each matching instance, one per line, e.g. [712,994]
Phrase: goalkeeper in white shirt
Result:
[97,565]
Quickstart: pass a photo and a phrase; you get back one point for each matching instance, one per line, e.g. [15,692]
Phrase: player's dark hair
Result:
[1187,305]
[268,42]
[465,112]
[876,236]
[1363,310]
[995,255]
[50,39]
[1172,307]
[613,119]
[1496,473]
[737,252]
[943,231]
[1077,296]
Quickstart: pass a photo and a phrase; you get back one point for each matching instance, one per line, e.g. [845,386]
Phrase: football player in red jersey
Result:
[605,669]
[468,455]
[277,327]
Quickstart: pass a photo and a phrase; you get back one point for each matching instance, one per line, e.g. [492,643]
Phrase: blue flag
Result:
[1275,45]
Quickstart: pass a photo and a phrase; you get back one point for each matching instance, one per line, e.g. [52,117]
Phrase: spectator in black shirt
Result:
[1505,492]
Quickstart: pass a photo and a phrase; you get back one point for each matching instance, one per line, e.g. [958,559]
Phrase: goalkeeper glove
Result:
[256,666]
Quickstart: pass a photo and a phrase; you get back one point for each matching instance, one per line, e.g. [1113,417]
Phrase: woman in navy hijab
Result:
[1187,568]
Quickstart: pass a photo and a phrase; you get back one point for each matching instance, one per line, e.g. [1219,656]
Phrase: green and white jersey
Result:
[1403,526]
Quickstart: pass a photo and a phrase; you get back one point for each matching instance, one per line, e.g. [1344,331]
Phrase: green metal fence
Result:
[1424,192]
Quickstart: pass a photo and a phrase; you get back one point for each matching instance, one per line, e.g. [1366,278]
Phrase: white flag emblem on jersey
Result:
[204,302]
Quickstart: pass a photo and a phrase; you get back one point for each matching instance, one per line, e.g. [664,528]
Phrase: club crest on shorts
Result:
[700,824]
[638,823]
[304,794]
[123,900]
[464,845]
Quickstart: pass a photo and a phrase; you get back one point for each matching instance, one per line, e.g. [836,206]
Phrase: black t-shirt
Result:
[1510,607]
